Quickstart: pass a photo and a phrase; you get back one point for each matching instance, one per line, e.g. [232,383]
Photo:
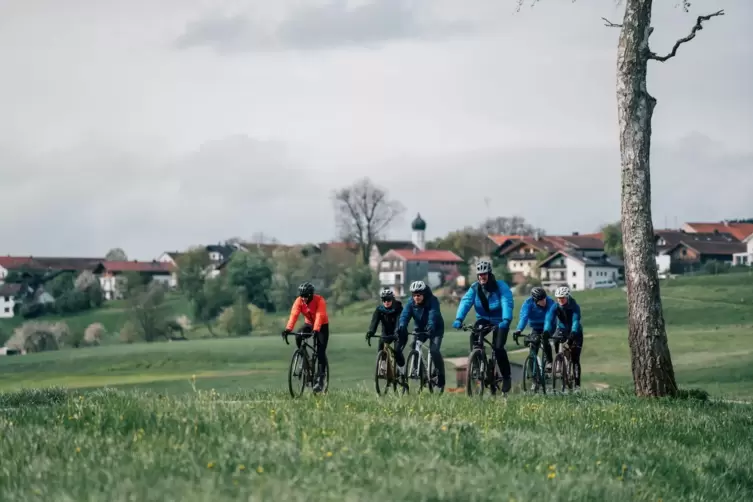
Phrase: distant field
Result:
[709,321]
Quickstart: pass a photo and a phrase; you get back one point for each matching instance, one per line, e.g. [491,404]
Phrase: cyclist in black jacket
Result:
[388,314]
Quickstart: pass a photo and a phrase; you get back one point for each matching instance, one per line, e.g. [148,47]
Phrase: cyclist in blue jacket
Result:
[493,302]
[423,309]
[534,312]
[566,312]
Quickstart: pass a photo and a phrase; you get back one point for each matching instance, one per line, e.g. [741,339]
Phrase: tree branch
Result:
[610,24]
[698,26]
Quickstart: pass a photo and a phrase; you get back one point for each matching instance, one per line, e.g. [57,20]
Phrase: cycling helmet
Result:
[418,287]
[538,294]
[562,292]
[483,267]
[305,290]
[386,294]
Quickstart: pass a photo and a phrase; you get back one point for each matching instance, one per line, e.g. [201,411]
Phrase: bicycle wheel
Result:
[434,373]
[475,379]
[415,369]
[559,373]
[383,374]
[531,378]
[297,374]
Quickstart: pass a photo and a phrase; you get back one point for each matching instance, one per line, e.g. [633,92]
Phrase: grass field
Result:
[121,446]
[233,433]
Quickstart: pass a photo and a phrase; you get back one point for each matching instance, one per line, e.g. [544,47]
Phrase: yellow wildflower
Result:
[329,453]
[241,467]
[260,469]
[210,465]
[551,475]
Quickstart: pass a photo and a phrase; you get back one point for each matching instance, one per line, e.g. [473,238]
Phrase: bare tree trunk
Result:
[653,374]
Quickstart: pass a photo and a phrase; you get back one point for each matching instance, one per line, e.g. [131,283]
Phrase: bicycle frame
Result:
[391,374]
[479,343]
[308,352]
[424,360]
[534,342]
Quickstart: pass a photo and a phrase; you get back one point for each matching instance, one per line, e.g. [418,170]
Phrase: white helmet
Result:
[418,287]
[562,292]
[483,267]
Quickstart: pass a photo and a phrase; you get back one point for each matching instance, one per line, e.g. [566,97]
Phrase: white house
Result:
[8,294]
[109,272]
[418,242]
[400,267]
[745,258]
[578,271]
[3,274]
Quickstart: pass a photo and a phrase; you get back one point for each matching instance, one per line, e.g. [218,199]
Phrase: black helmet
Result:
[386,294]
[538,294]
[305,290]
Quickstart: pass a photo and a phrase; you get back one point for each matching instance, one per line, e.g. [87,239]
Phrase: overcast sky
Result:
[155,125]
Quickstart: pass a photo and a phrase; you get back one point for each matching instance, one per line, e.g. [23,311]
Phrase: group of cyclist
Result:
[492,300]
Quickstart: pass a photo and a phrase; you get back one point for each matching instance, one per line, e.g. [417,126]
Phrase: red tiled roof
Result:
[739,231]
[428,255]
[11,262]
[712,248]
[501,239]
[136,266]
[588,241]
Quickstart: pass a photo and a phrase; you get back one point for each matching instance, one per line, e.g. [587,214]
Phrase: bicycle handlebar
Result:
[302,334]
[478,330]
[385,339]
[532,337]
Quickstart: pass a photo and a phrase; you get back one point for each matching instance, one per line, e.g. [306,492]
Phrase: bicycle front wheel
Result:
[531,374]
[383,374]
[297,373]
[560,375]
[415,369]
[475,374]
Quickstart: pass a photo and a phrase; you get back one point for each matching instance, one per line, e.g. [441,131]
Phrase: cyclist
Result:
[493,302]
[388,314]
[567,314]
[314,310]
[534,312]
[423,309]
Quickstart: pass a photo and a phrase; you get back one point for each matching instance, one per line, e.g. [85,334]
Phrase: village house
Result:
[411,261]
[578,271]
[110,271]
[745,257]
[8,304]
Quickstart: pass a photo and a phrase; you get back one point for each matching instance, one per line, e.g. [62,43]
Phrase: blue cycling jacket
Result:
[426,317]
[567,317]
[531,313]
[500,304]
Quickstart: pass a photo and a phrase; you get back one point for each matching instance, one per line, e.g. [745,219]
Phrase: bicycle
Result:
[482,370]
[563,367]
[304,365]
[386,367]
[418,367]
[533,368]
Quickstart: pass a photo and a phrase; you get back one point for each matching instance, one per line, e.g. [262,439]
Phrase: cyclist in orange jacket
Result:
[314,310]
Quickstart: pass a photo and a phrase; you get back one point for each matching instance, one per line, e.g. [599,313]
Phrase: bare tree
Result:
[653,374]
[363,212]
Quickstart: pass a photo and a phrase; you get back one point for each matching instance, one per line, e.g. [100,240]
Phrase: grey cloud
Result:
[89,199]
[333,24]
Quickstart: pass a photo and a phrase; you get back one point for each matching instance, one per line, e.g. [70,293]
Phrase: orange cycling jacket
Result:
[314,312]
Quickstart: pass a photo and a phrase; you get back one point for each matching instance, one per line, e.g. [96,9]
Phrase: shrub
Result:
[34,336]
[94,333]
[129,333]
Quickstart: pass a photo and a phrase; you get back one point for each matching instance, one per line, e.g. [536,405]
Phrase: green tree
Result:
[192,267]
[240,323]
[253,271]
[291,269]
[612,236]
[116,254]
[148,312]
[210,301]
[357,283]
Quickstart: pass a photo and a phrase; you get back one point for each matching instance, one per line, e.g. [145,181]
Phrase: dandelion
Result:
[444,428]
[260,469]
[552,467]
[551,475]
[329,454]
[78,450]
[241,467]
[210,465]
